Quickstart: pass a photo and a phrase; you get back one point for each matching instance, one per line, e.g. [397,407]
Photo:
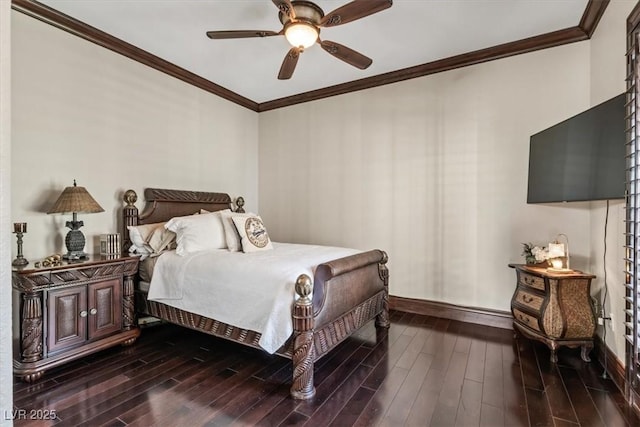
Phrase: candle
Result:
[19,227]
[556,263]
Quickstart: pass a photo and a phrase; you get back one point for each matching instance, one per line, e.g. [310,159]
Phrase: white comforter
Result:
[252,291]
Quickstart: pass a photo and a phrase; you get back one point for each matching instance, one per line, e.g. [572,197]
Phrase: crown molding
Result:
[544,41]
[591,16]
[583,31]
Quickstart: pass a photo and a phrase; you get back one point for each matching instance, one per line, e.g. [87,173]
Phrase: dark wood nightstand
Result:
[65,312]
[554,308]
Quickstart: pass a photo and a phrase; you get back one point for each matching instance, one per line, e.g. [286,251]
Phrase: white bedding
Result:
[252,291]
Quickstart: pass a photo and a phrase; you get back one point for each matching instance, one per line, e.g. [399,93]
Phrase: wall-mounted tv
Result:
[581,158]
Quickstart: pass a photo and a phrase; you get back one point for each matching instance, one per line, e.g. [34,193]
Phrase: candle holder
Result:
[19,228]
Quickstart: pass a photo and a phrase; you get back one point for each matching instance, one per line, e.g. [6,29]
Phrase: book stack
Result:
[110,244]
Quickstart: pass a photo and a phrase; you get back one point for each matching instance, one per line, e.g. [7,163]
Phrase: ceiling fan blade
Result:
[240,34]
[286,8]
[289,64]
[346,54]
[355,10]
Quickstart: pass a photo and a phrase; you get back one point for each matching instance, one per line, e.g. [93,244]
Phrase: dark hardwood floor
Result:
[424,371]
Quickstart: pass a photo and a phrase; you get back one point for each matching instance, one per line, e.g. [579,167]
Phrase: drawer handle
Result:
[524,319]
[93,311]
[527,299]
[83,313]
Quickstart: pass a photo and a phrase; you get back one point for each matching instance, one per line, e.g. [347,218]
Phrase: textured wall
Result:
[432,170]
[83,112]
[6,364]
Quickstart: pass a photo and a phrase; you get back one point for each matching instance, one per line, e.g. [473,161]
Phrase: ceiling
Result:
[412,38]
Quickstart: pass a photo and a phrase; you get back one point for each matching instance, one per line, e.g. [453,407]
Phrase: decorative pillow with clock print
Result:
[253,233]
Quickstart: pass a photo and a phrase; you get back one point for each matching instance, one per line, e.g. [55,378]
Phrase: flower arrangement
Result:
[534,254]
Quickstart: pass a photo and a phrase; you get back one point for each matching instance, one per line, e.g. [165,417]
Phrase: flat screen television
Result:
[581,158]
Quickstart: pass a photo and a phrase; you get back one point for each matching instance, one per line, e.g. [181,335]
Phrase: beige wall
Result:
[432,170]
[6,355]
[81,111]
[608,72]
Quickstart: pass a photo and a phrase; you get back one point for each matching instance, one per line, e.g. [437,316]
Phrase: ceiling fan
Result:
[302,21]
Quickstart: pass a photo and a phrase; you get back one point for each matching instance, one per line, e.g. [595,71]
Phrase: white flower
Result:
[541,254]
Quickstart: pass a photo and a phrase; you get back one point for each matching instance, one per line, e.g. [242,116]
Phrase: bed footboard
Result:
[345,283]
[347,293]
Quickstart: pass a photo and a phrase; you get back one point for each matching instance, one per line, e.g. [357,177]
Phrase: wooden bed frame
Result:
[344,295]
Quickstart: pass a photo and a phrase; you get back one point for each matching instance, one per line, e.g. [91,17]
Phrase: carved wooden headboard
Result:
[161,205]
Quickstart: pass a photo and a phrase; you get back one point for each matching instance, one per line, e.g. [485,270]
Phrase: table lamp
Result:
[74,200]
[559,256]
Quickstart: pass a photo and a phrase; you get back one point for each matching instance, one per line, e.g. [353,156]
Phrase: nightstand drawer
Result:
[531,281]
[526,319]
[529,299]
[82,274]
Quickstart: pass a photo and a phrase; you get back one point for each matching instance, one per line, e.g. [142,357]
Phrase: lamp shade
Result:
[75,199]
[559,255]
[556,250]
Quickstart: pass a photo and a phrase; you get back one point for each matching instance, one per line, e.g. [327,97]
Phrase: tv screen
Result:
[581,158]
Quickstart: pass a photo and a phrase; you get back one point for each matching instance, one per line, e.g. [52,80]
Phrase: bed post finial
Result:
[304,289]
[240,204]
[303,346]
[129,217]
[130,197]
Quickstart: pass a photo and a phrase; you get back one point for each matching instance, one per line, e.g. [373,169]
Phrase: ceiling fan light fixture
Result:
[301,34]
[302,21]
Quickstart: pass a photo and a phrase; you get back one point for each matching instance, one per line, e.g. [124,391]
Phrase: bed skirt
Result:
[325,338]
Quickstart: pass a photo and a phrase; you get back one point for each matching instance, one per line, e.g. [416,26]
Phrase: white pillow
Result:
[230,233]
[138,245]
[139,234]
[253,233]
[197,232]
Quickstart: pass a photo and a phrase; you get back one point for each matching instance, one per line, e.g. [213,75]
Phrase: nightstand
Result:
[68,311]
[554,308]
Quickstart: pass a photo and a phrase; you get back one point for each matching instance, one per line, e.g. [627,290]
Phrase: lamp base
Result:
[20,262]
[75,242]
